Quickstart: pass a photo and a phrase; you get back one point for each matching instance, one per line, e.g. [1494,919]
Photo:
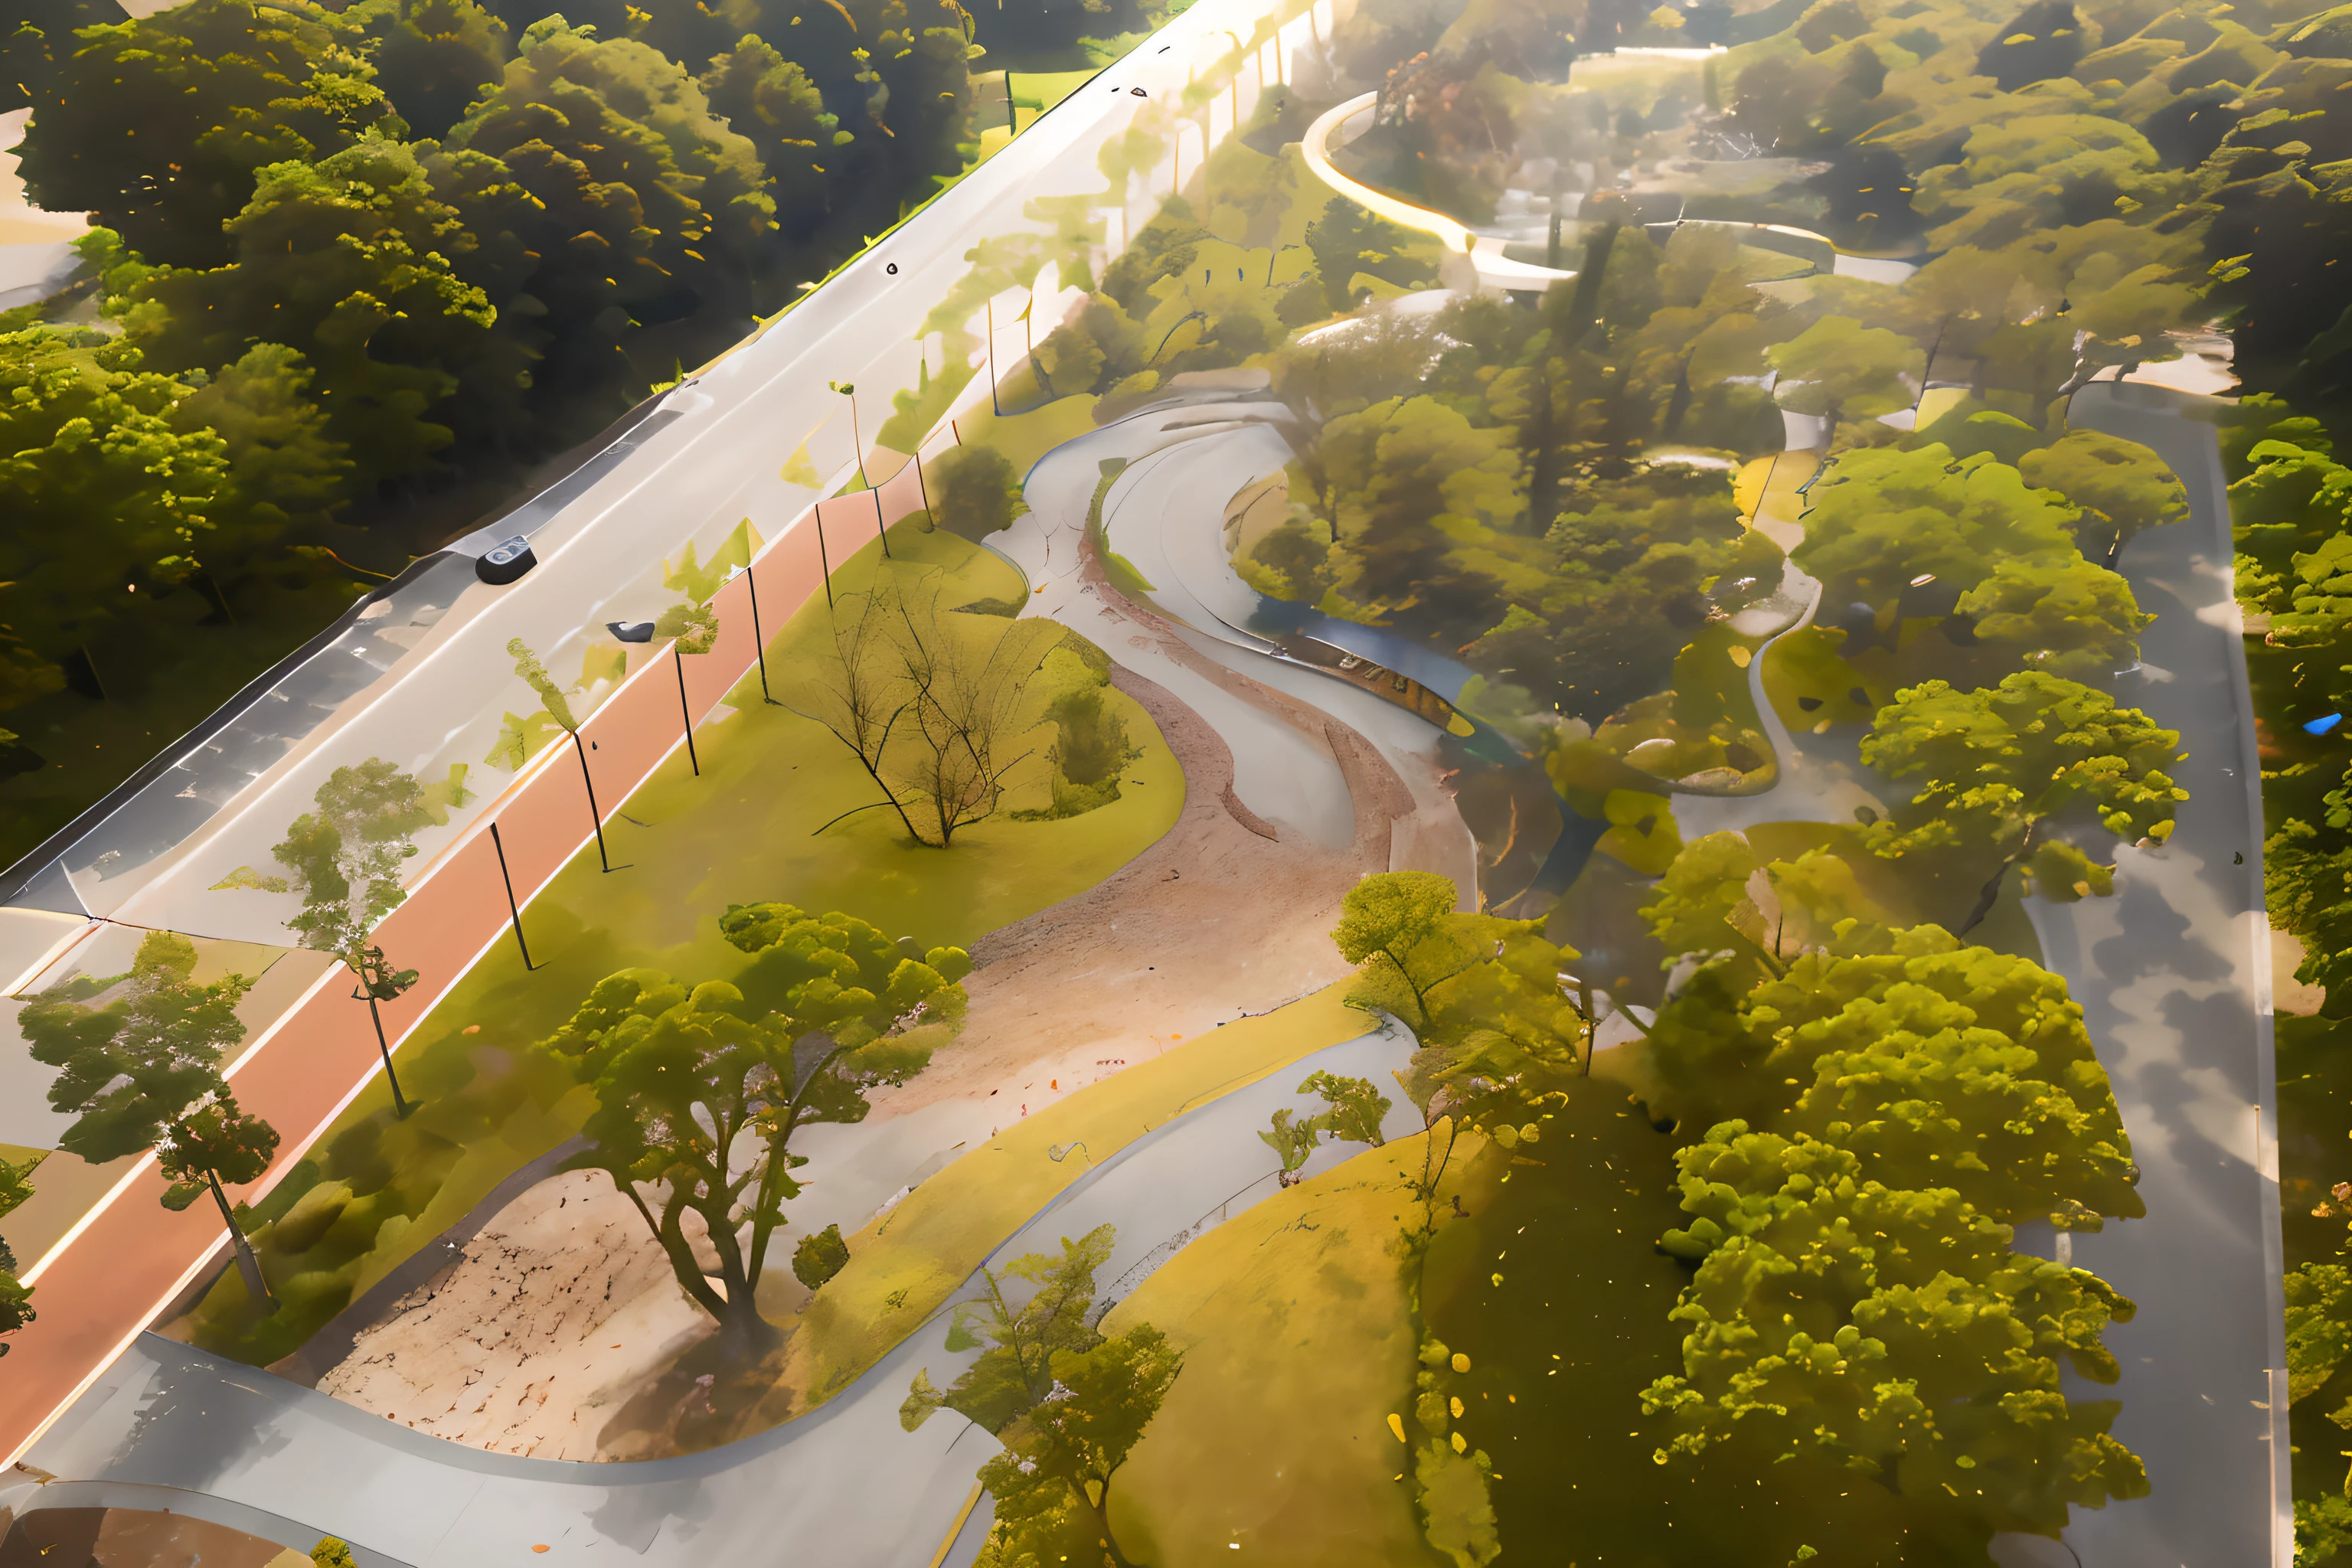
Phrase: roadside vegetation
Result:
[490,1078]
[358,272]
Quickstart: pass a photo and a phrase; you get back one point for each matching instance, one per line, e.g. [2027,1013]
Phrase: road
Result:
[2173,976]
[845,1484]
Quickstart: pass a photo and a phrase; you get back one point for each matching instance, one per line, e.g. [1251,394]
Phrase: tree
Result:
[142,1071]
[1356,1106]
[636,197]
[1353,1110]
[42,32]
[433,57]
[931,708]
[15,1296]
[287,473]
[1052,1481]
[2000,764]
[345,861]
[1839,368]
[1294,1140]
[701,1091]
[1014,1374]
[975,491]
[1889,1331]
[1347,241]
[2122,487]
[114,498]
[858,694]
[222,89]
[769,101]
[1394,925]
[2065,617]
[1881,517]
[1636,566]
[1406,477]
[350,259]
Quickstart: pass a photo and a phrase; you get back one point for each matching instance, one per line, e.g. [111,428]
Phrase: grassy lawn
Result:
[683,848]
[909,1264]
[1274,1445]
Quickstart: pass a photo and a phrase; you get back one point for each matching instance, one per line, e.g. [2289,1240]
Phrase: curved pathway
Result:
[843,1484]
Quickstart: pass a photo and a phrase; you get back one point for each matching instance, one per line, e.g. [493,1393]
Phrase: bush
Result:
[819,1256]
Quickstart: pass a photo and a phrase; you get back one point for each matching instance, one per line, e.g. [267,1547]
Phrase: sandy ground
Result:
[563,1310]
[1227,914]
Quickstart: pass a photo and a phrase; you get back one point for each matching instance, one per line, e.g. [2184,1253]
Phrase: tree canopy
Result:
[701,1090]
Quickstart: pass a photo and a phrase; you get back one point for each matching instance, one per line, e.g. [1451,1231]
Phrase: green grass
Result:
[1273,1449]
[683,848]
[914,1260]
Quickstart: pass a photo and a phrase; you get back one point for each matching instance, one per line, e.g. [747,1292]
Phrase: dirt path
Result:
[1227,914]
[561,1312]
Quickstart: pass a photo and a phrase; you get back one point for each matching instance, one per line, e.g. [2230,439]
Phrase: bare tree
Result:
[862,692]
[931,708]
[967,707]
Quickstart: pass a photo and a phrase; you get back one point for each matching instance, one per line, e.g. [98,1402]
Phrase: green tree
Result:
[2066,617]
[1356,1107]
[109,500]
[345,860]
[769,101]
[1637,565]
[1015,1373]
[39,34]
[1294,1140]
[974,492]
[1839,368]
[2122,487]
[287,473]
[142,1071]
[348,258]
[433,57]
[1395,925]
[1999,765]
[634,192]
[15,1296]
[222,89]
[819,1256]
[700,1092]
[1881,517]
[1052,1483]
[1889,1331]
[1348,240]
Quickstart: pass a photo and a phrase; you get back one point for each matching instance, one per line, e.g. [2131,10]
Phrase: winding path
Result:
[171,1425]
